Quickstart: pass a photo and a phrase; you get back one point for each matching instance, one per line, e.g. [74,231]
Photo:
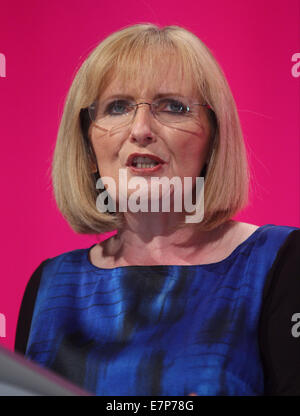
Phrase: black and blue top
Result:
[223,328]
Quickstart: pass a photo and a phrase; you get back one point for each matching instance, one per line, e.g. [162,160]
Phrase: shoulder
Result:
[261,244]
[56,268]
[266,229]
[279,239]
[38,288]
[263,239]
[269,234]
[69,260]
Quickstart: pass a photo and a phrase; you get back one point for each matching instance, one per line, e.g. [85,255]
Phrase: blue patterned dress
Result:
[156,330]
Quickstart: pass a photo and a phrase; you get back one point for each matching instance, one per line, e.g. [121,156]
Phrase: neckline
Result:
[206,265]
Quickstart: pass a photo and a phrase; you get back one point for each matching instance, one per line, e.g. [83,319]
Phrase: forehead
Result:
[148,78]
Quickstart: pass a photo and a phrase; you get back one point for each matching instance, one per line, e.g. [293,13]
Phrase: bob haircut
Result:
[127,52]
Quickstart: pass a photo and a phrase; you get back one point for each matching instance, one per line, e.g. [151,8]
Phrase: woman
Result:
[168,306]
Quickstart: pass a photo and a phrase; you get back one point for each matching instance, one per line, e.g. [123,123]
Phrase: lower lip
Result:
[146,170]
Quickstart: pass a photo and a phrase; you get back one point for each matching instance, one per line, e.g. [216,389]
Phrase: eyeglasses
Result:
[121,112]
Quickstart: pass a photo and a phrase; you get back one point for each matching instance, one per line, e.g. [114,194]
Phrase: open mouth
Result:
[143,163]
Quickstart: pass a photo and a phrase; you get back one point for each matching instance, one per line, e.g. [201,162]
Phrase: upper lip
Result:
[133,155]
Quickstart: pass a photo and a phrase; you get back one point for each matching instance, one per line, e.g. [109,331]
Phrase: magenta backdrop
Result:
[44,42]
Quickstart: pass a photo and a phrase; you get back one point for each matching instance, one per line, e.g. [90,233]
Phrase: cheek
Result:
[105,151]
[191,154]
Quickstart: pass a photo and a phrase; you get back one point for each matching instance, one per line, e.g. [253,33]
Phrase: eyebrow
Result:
[130,97]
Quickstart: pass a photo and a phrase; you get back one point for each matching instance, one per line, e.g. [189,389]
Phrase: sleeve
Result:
[279,326]
[27,308]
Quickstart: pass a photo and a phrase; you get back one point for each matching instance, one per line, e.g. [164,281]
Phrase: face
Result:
[182,149]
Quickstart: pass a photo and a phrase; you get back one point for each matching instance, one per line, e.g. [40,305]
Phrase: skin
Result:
[153,238]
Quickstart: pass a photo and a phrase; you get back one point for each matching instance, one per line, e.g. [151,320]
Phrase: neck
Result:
[158,238]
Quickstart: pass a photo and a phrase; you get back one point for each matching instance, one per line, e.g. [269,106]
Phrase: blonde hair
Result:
[126,51]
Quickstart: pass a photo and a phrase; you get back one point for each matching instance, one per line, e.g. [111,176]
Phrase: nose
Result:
[141,131]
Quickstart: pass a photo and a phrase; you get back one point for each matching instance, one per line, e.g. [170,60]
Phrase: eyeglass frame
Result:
[142,103]
[86,119]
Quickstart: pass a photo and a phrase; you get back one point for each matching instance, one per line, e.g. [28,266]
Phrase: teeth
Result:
[141,159]
[143,162]
[145,165]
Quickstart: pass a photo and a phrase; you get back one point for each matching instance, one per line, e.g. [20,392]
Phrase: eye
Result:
[172,106]
[118,107]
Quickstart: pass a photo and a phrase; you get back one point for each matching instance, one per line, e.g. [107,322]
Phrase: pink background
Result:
[44,43]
